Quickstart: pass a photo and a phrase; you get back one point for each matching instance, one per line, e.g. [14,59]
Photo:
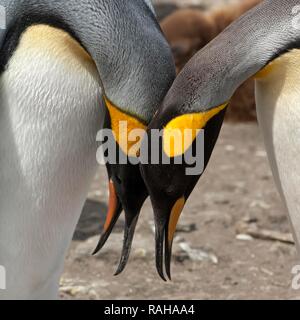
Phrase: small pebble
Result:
[244,237]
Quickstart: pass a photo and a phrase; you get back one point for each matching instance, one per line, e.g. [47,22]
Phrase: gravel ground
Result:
[237,186]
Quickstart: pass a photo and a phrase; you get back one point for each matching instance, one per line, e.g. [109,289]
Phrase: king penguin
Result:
[68,69]
[263,44]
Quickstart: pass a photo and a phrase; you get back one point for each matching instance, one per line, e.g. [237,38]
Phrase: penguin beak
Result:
[166,221]
[127,192]
[131,219]
[114,211]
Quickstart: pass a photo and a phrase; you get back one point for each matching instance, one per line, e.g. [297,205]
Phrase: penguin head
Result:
[136,69]
[127,190]
[131,97]
[182,152]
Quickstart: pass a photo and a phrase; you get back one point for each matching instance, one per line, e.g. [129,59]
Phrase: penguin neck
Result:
[242,50]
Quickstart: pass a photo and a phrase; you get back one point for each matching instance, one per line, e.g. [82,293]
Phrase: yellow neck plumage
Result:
[128,131]
[180,133]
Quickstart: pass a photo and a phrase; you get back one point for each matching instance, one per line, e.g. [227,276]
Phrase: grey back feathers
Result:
[123,37]
[243,49]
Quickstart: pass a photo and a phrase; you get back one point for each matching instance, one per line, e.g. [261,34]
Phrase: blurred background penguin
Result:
[190,29]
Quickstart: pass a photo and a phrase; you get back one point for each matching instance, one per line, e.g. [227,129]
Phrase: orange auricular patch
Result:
[284,66]
[266,71]
[174,218]
[180,133]
[128,131]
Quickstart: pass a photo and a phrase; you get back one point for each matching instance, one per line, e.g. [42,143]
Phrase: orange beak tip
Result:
[114,212]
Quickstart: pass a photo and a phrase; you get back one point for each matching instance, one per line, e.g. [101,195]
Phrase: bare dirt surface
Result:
[237,186]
